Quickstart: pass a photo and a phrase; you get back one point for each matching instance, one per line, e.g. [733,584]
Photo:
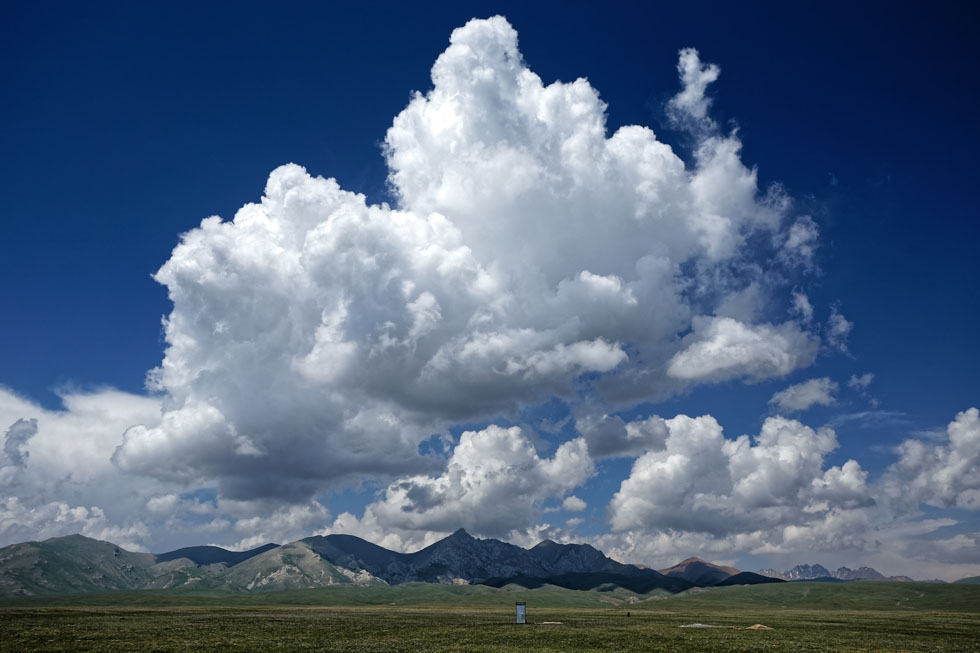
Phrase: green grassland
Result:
[867,595]
[406,594]
[803,617]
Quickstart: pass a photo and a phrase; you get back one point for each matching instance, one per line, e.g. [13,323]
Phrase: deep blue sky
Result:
[123,125]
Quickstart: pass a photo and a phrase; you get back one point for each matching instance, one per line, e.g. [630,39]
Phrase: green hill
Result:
[858,595]
[290,567]
[71,564]
[971,580]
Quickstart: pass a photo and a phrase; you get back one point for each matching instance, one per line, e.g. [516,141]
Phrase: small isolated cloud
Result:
[799,245]
[860,382]
[573,504]
[804,395]
[838,329]
[689,108]
[802,307]
[872,418]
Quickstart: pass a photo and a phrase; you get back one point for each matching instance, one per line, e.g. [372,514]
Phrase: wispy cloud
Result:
[872,419]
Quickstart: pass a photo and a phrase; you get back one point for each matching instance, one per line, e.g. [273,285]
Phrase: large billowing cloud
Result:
[317,338]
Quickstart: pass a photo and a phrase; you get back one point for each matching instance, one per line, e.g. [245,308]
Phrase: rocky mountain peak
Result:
[815,571]
[700,571]
[461,534]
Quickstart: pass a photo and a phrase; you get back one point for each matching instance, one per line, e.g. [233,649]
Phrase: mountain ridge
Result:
[206,555]
[816,572]
[75,563]
[461,557]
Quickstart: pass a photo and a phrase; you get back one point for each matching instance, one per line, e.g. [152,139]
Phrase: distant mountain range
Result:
[76,564]
[821,573]
[80,564]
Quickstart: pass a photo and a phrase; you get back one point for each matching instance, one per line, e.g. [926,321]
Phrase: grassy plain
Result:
[852,617]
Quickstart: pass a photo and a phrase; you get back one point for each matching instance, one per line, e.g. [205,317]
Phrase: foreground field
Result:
[468,629]
[802,616]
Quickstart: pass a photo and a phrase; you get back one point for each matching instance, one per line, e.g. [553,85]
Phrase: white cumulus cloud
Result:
[704,482]
[722,348]
[21,521]
[815,392]
[573,504]
[316,338]
[59,479]
[494,485]
[944,475]
[774,496]
[691,104]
